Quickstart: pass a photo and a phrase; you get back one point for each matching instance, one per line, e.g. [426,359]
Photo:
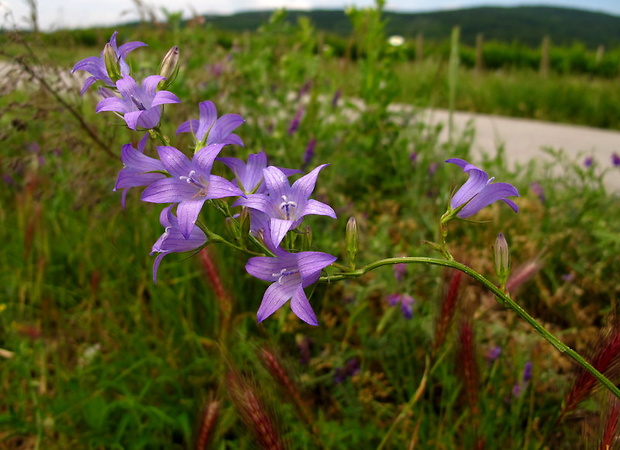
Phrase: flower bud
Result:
[501,259]
[307,238]
[244,226]
[169,68]
[112,65]
[352,240]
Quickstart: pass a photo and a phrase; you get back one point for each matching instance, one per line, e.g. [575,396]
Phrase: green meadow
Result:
[94,354]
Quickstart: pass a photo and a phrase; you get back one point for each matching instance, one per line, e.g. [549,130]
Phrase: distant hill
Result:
[524,24]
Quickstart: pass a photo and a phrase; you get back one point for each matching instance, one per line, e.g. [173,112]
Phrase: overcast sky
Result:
[54,14]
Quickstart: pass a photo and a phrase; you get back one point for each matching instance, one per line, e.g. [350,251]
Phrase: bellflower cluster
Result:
[185,184]
[264,202]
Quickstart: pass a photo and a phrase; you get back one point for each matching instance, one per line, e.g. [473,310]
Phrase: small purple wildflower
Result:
[304,89]
[406,303]
[568,277]
[138,169]
[211,130]
[351,368]
[285,205]
[308,153]
[479,191]
[615,159]
[190,184]
[96,66]
[587,163]
[527,372]
[494,353]
[400,271]
[335,99]
[173,241]
[140,106]
[294,125]
[432,168]
[289,274]
[525,379]
[537,189]
[413,157]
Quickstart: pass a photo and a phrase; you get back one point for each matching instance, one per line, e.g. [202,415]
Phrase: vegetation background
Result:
[95,355]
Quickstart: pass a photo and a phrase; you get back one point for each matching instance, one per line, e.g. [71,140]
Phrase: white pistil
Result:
[201,184]
[287,207]
[284,273]
[137,102]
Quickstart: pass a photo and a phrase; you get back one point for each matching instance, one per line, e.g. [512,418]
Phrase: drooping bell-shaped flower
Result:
[284,205]
[190,184]
[289,274]
[173,241]
[479,191]
[138,169]
[140,106]
[97,66]
[209,129]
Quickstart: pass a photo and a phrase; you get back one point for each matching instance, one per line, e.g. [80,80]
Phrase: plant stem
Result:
[500,296]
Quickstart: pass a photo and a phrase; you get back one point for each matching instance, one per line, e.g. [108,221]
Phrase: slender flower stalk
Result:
[501,297]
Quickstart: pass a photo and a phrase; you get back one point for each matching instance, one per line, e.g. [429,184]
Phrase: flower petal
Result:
[168,190]
[276,182]
[302,308]
[279,228]
[477,182]
[490,194]
[175,161]
[305,185]
[310,265]
[187,213]
[275,297]
[319,208]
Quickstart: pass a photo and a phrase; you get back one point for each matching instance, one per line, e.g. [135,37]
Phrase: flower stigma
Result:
[287,207]
[284,273]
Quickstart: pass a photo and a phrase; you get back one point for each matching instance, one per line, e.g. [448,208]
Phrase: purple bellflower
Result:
[289,274]
[138,169]
[211,130]
[406,303]
[285,205]
[173,241]
[479,191]
[249,176]
[96,66]
[190,184]
[615,160]
[140,106]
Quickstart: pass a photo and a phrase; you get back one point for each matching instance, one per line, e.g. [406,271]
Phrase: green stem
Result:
[500,296]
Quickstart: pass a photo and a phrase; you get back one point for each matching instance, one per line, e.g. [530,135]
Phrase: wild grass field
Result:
[95,354]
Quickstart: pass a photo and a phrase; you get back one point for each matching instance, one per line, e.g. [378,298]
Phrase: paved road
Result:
[523,140]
